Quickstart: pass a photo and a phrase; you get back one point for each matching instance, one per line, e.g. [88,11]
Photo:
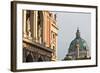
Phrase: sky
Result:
[68,22]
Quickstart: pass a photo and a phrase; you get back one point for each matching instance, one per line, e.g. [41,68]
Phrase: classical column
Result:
[77,46]
[43,28]
[56,46]
[35,25]
[24,24]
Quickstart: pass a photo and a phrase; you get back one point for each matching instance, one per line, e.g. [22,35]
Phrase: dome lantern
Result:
[78,33]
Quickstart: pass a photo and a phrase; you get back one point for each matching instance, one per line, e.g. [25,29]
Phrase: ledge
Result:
[38,45]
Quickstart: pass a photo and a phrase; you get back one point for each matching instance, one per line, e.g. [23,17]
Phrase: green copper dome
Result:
[78,40]
[78,49]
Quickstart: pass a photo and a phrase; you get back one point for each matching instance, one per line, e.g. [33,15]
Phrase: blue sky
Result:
[67,23]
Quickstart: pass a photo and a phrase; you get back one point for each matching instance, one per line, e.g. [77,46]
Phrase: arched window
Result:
[29,58]
[40,59]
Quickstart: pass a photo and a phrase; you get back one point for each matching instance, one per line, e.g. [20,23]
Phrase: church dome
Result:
[78,40]
[78,49]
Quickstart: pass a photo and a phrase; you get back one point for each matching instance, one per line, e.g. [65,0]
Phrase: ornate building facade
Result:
[78,49]
[39,36]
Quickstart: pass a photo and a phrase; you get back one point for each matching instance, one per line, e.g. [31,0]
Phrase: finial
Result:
[77,29]
[77,33]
